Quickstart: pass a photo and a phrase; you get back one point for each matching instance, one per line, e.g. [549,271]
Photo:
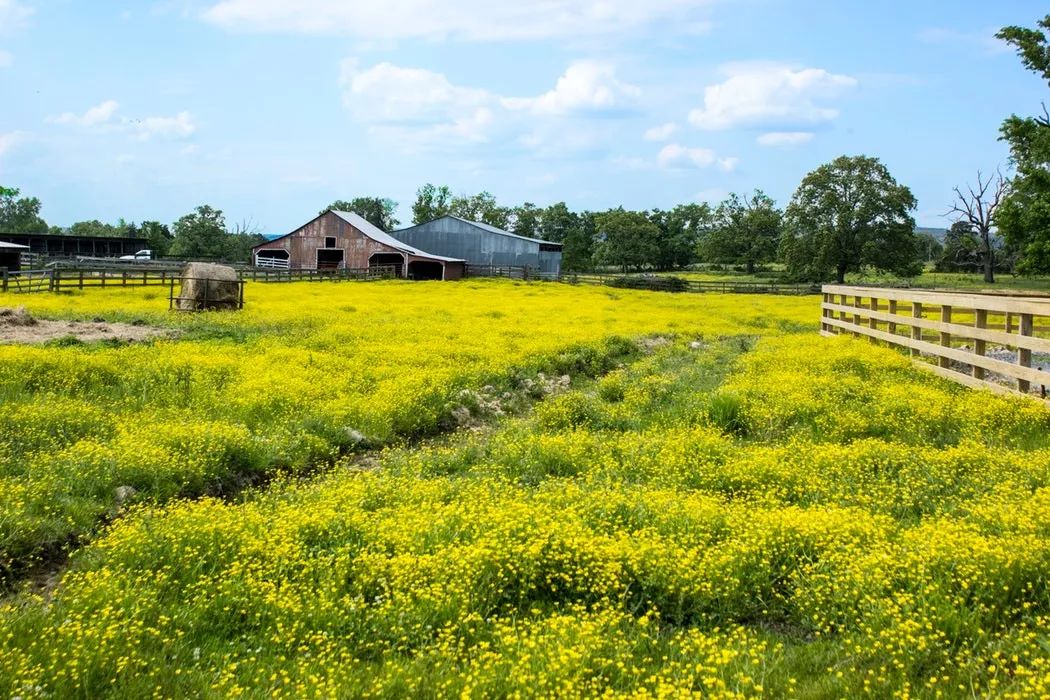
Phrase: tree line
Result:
[202,233]
[845,216]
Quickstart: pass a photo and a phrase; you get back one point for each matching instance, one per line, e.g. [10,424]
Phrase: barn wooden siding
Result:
[362,246]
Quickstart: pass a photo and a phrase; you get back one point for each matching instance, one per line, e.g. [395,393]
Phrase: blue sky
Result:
[270,109]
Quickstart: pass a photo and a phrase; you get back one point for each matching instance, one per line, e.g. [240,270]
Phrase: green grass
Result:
[928,279]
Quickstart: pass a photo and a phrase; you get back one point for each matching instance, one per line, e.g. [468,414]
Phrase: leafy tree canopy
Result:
[19,214]
[432,202]
[378,211]
[201,234]
[848,214]
[746,230]
[628,239]
[1023,218]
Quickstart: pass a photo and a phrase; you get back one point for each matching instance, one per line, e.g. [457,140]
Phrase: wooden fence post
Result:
[980,320]
[916,331]
[892,327]
[946,338]
[872,322]
[1024,355]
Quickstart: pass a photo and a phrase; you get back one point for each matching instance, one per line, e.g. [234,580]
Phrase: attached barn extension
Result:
[342,239]
[11,255]
[482,244]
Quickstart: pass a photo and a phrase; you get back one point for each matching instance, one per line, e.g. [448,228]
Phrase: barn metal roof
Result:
[13,246]
[377,234]
[485,227]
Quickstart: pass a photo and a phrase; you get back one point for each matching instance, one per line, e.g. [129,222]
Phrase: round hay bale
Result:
[208,286]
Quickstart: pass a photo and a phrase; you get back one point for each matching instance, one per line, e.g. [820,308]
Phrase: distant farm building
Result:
[342,239]
[56,245]
[481,244]
[11,256]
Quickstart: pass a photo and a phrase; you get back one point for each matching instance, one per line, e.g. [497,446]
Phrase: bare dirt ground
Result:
[18,326]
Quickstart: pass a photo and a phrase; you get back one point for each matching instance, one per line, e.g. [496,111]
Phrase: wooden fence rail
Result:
[981,340]
[256,274]
[81,278]
[655,283]
[26,281]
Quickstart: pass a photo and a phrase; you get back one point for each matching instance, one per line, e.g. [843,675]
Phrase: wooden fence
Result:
[256,274]
[113,275]
[85,278]
[25,281]
[680,284]
[655,283]
[981,340]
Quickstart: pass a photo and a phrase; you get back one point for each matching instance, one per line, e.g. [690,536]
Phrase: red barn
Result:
[343,239]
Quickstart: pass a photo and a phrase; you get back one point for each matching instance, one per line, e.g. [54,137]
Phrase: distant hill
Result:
[938,233]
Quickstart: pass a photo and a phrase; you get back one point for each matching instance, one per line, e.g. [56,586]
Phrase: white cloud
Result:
[770,94]
[676,156]
[13,16]
[471,20]
[785,138]
[419,108]
[9,140]
[103,117]
[728,164]
[660,133]
[586,86]
[99,114]
[7,59]
[179,126]
[415,101]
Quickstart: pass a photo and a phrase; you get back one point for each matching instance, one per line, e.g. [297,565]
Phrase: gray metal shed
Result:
[482,244]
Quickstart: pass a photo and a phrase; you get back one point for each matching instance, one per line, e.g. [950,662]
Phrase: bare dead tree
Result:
[977,206]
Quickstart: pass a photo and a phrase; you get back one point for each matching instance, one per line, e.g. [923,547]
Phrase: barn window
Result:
[329,241]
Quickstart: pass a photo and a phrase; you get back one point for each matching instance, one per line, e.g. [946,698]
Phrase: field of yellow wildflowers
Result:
[303,375]
[746,510]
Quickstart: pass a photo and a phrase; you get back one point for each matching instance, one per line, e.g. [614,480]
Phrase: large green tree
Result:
[680,230]
[480,207]
[19,214]
[378,211]
[746,231]
[627,239]
[961,251]
[432,202]
[848,214]
[1023,218]
[158,235]
[576,233]
[527,220]
[98,229]
[201,234]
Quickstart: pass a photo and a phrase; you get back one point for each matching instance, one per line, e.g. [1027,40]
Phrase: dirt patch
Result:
[19,326]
